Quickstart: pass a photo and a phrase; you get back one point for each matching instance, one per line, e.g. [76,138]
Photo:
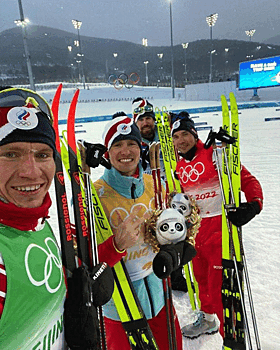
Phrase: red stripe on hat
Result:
[113,129]
[3,115]
[142,104]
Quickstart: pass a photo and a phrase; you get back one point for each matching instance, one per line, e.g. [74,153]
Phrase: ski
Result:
[235,168]
[237,237]
[173,184]
[164,150]
[227,297]
[236,325]
[167,149]
[78,199]
[170,148]
[80,251]
[81,194]
[128,306]
[68,253]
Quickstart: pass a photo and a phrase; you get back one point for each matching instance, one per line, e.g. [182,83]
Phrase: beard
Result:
[148,133]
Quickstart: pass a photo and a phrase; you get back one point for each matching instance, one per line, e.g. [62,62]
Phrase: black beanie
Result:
[25,124]
[184,124]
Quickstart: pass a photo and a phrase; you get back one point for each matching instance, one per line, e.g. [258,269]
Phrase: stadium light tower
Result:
[146,67]
[172,58]
[211,21]
[22,22]
[185,46]
[226,58]
[77,25]
[160,55]
[250,33]
[115,55]
[145,44]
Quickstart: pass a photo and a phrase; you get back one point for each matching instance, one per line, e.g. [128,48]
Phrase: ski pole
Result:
[246,273]
[66,237]
[158,205]
[154,175]
[232,247]
[93,247]
[157,164]
[166,282]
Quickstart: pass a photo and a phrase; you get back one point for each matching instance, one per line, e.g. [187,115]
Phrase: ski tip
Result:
[76,94]
[58,91]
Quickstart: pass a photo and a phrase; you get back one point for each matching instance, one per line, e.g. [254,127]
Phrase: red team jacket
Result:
[199,179]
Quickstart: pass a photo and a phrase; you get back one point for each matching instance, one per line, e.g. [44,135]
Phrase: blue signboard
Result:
[264,72]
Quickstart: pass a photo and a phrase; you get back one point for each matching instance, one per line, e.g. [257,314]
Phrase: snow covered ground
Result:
[260,153]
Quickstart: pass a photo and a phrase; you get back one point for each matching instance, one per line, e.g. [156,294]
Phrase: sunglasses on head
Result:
[19,97]
[144,109]
[175,117]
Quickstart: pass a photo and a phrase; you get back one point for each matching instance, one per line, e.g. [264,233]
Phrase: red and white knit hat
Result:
[121,128]
[141,108]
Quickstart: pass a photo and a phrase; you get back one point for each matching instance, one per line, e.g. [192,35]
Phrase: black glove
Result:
[145,159]
[94,155]
[86,291]
[244,213]
[102,284]
[222,136]
[81,322]
[171,257]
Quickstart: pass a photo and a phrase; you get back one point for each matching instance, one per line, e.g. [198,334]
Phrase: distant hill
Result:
[273,41]
[51,58]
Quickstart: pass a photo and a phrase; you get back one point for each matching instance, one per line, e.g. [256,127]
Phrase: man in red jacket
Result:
[198,176]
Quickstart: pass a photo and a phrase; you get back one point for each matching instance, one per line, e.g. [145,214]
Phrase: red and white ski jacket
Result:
[199,179]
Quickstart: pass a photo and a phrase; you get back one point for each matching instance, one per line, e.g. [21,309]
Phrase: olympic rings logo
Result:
[123,80]
[23,123]
[126,213]
[51,259]
[190,173]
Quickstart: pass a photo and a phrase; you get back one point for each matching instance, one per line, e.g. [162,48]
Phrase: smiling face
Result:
[146,126]
[183,141]
[124,156]
[26,173]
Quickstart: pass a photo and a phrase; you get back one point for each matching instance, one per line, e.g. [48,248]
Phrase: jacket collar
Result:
[127,186]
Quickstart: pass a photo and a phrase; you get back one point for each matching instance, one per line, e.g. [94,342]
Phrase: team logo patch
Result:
[124,129]
[22,118]
[191,173]
[176,125]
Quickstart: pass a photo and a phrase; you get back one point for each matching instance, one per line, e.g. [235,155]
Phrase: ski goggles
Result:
[144,109]
[20,97]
